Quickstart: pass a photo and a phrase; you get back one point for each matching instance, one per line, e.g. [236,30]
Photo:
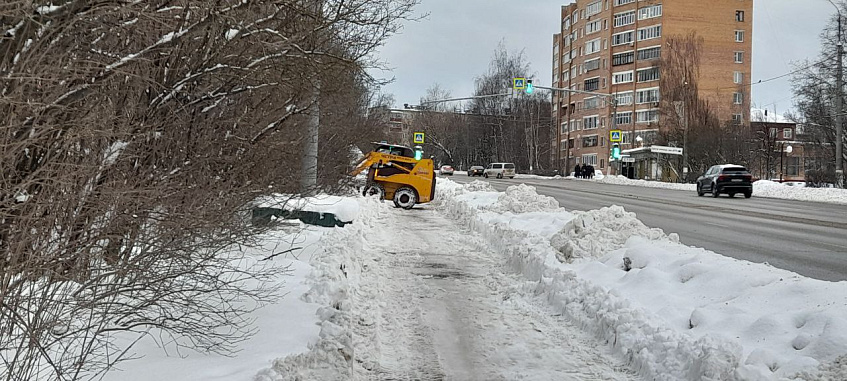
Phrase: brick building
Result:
[615,46]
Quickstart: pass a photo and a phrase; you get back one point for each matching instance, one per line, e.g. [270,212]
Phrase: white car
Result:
[446,170]
[500,170]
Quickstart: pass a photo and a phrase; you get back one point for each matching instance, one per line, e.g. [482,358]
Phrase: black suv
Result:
[726,178]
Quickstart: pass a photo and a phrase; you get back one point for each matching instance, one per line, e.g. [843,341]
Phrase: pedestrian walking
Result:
[576,171]
[590,171]
[584,171]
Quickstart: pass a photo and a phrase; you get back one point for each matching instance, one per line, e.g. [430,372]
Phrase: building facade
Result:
[616,48]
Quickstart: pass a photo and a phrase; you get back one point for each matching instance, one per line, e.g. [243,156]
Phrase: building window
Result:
[737,77]
[647,96]
[650,12]
[592,64]
[650,33]
[591,103]
[647,116]
[623,2]
[786,133]
[739,36]
[593,8]
[739,57]
[602,163]
[792,166]
[739,16]
[622,38]
[625,18]
[649,53]
[589,122]
[593,27]
[772,132]
[737,118]
[623,58]
[737,98]
[589,141]
[590,159]
[565,128]
[648,74]
[623,118]
[592,46]
[591,84]
[622,77]
[624,99]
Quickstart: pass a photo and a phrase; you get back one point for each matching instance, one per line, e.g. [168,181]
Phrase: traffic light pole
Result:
[614,114]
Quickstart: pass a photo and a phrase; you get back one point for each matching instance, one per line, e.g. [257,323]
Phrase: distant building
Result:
[805,160]
[615,46]
[397,124]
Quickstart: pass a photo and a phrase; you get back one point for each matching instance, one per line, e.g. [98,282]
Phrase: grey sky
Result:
[455,43]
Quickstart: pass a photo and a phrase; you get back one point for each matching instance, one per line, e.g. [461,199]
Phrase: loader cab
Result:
[393,149]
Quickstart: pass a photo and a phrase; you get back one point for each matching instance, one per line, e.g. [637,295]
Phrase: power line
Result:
[761,81]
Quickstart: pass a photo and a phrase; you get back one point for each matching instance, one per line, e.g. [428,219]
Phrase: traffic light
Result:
[616,151]
[529,88]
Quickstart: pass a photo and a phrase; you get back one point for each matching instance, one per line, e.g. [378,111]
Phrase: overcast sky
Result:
[455,43]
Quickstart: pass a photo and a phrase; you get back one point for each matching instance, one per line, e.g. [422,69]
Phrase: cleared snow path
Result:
[435,304]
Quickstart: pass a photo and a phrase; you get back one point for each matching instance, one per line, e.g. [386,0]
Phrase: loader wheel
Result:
[374,190]
[405,198]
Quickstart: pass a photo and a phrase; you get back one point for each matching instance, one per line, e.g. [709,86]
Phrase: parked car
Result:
[446,170]
[726,178]
[476,170]
[500,170]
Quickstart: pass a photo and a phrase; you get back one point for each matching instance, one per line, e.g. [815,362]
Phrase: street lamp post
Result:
[782,151]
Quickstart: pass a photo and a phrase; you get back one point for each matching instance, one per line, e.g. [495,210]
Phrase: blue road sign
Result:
[615,135]
[419,137]
[518,83]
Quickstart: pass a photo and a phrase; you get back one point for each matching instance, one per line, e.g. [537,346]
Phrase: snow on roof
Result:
[758,115]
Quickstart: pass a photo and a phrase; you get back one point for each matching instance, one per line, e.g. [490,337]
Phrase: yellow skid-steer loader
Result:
[395,174]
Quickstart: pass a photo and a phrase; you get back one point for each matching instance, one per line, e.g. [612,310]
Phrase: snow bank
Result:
[765,188]
[345,208]
[334,285]
[594,233]
[680,313]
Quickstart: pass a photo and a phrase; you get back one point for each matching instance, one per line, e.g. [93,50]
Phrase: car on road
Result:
[476,170]
[726,178]
[446,170]
[500,170]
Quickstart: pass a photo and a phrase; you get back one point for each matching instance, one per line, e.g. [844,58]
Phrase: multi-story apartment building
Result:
[616,47]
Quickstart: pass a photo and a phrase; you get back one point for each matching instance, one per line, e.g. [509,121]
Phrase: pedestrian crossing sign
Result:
[615,136]
[518,83]
[419,138]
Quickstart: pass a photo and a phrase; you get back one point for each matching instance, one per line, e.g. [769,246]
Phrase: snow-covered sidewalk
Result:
[442,307]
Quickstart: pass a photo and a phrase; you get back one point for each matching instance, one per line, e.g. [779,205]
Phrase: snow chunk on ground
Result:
[595,233]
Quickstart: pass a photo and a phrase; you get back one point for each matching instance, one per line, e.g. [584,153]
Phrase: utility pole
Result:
[309,168]
[839,115]
[839,121]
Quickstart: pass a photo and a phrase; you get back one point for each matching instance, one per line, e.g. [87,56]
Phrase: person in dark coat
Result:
[590,171]
[576,171]
[584,171]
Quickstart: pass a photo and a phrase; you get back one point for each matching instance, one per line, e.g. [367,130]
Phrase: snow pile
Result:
[523,198]
[594,233]
[765,188]
[334,285]
[679,313]
[345,208]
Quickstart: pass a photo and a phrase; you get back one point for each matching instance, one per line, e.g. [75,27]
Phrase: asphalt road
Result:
[805,237]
